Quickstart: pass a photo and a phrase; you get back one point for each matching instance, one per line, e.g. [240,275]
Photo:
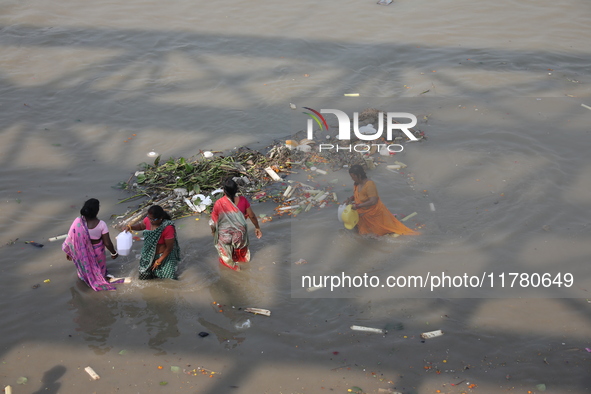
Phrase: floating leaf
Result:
[356,390]
[163,383]
[141,178]
[22,380]
[175,369]
[123,352]
[143,165]
[120,186]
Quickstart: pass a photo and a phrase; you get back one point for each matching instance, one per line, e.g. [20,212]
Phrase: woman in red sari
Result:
[374,217]
[228,225]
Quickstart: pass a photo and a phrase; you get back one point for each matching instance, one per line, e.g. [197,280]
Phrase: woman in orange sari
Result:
[374,217]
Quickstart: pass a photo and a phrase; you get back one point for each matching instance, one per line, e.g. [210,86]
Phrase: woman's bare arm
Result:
[255,222]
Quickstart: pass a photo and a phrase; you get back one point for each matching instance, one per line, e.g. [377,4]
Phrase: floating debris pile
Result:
[185,187]
[188,186]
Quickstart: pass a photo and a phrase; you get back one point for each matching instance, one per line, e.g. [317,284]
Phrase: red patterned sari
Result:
[231,237]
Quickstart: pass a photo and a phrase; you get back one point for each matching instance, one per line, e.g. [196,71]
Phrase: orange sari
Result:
[377,219]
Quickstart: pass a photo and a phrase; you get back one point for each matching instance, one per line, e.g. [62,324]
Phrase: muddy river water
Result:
[501,187]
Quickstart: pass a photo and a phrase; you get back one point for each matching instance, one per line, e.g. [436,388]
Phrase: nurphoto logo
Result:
[365,133]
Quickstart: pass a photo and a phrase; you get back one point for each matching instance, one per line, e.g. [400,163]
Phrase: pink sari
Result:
[88,258]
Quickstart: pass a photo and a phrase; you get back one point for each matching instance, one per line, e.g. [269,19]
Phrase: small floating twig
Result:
[344,366]
[52,239]
[408,217]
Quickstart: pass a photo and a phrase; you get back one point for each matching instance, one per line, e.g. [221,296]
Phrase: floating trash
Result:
[431,334]
[368,329]
[243,325]
[59,237]
[93,375]
[408,217]
[261,175]
[259,311]
[368,130]
[200,202]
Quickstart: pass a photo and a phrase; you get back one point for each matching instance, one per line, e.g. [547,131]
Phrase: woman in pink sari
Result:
[85,246]
[228,225]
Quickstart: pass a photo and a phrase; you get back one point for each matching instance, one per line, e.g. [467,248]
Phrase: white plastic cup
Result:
[124,242]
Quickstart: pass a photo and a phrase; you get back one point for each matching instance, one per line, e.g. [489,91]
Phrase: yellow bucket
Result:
[350,217]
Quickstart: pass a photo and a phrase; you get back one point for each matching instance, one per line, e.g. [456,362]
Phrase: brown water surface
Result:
[87,89]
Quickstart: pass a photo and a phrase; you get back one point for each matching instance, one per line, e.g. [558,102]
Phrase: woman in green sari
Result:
[161,252]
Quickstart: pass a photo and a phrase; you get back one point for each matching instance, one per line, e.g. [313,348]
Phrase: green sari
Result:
[168,267]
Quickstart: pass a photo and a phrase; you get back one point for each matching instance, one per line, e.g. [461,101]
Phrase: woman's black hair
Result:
[230,188]
[158,212]
[90,209]
[358,170]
